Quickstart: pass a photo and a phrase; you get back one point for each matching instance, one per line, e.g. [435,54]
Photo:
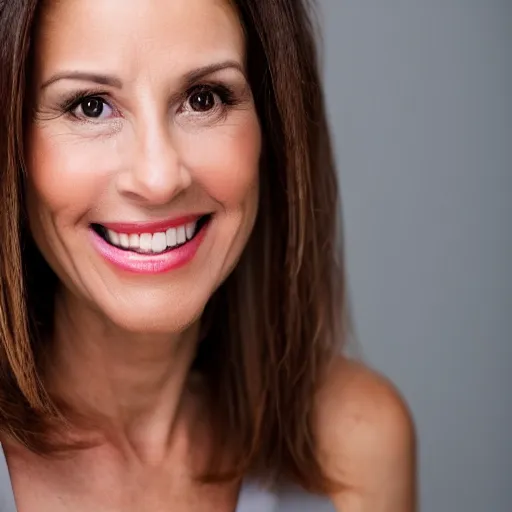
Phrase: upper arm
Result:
[366,441]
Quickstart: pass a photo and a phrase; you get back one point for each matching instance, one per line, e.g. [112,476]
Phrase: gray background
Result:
[420,101]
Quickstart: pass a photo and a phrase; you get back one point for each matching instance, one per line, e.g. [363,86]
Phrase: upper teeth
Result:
[153,242]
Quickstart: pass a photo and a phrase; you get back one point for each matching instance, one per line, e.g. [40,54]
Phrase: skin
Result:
[124,343]
[367,440]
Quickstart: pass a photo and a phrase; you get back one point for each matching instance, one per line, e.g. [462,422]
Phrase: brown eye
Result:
[202,101]
[92,107]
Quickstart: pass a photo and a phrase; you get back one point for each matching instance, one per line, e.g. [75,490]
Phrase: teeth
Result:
[172,237]
[159,243]
[124,240]
[146,240]
[113,237]
[134,241]
[182,237]
[189,230]
[153,242]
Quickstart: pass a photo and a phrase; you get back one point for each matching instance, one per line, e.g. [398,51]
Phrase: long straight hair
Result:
[271,329]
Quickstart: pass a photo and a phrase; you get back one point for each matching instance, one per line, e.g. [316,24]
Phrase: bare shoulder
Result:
[366,440]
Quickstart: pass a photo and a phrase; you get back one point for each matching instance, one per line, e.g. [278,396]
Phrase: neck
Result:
[131,386]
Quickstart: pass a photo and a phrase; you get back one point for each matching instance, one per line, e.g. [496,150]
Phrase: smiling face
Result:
[142,155]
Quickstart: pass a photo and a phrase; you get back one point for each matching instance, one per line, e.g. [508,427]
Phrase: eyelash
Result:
[225,94]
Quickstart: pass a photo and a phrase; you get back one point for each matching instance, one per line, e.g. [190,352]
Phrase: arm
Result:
[366,441]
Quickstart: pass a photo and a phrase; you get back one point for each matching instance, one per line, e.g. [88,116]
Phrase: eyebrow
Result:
[113,81]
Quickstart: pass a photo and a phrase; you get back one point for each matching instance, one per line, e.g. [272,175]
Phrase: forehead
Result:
[129,34]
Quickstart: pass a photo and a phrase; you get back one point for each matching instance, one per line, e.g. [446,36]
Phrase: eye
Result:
[92,107]
[202,100]
[208,101]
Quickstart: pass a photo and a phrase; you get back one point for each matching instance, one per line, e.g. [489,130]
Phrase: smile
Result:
[142,242]
[150,247]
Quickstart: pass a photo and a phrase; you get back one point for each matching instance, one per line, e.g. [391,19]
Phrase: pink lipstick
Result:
[150,247]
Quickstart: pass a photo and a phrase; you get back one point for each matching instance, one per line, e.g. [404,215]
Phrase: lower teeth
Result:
[150,251]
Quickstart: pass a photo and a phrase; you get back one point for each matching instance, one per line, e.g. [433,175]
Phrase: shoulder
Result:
[366,439]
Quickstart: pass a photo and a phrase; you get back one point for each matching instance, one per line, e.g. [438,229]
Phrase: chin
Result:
[153,313]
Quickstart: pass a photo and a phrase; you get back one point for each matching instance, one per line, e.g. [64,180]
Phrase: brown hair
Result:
[279,317]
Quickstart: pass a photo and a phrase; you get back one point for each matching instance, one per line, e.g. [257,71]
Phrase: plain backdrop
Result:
[419,95]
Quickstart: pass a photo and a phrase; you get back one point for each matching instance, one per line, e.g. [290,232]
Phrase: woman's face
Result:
[142,155]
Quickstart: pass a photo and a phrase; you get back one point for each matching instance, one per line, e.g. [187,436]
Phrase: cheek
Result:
[64,174]
[227,166]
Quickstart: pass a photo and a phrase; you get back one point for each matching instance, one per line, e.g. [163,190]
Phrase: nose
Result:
[156,173]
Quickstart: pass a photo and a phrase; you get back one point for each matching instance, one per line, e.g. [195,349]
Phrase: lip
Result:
[151,227]
[149,263]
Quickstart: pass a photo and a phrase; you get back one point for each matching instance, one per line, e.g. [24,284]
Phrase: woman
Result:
[169,288]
